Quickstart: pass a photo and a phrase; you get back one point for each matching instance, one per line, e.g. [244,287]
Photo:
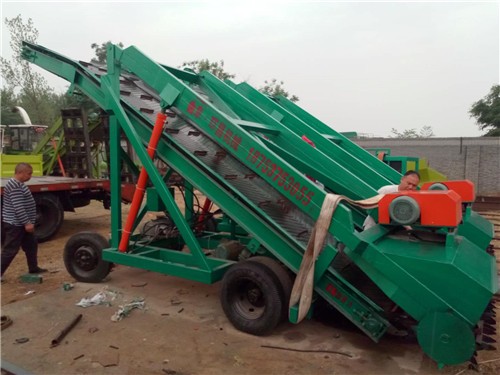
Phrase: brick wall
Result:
[475,159]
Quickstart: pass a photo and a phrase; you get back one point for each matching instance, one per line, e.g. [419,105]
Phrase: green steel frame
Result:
[433,282]
[474,227]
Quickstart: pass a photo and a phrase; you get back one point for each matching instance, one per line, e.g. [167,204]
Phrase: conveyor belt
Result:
[254,188]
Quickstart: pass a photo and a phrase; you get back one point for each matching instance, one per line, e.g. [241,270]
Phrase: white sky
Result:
[365,67]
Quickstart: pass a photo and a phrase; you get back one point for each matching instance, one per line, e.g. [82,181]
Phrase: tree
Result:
[425,132]
[9,101]
[100,51]
[78,99]
[216,68]
[275,88]
[31,89]
[271,88]
[487,112]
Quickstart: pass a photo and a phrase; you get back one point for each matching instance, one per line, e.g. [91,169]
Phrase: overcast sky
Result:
[365,67]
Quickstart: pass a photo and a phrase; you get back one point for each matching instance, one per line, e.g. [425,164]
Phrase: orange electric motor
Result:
[464,188]
[433,208]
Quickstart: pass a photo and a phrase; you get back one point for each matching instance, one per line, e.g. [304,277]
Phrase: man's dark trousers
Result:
[16,237]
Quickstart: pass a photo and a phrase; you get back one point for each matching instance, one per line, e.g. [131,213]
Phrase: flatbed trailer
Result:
[54,195]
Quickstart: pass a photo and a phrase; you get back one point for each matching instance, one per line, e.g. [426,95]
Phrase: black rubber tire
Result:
[251,297]
[49,216]
[83,257]
[284,278]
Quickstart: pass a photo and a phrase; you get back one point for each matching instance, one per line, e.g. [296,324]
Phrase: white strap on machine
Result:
[304,282]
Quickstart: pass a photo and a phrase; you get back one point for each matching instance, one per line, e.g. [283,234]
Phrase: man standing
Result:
[19,216]
[409,181]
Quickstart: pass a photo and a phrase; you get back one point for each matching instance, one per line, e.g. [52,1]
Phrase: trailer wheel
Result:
[49,216]
[284,278]
[252,298]
[83,257]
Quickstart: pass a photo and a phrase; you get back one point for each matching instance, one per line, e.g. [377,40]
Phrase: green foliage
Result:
[9,101]
[493,133]
[271,88]
[407,133]
[78,99]
[275,88]
[100,51]
[487,112]
[425,132]
[216,68]
[30,89]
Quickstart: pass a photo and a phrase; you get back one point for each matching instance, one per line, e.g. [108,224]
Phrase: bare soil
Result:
[192,337]
[92,218]
[50,254]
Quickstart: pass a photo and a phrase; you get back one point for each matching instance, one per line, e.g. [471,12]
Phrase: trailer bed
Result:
[54,183]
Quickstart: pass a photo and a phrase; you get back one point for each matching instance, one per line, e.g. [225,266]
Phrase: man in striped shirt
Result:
[18,220]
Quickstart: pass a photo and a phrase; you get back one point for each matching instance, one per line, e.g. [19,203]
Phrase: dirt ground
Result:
[93,218]
[182,330]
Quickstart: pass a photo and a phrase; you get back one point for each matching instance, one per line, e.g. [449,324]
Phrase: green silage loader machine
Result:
[246,153]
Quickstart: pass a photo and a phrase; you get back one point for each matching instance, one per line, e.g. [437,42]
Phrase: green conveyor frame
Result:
[437,283]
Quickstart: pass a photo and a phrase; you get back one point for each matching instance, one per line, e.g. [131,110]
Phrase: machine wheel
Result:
[49,216]
[83,257]
[446,338]
[252,297]
[283,276]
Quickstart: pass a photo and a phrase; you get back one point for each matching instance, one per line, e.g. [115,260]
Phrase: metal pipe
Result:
[161,118]
[65,331]
[23,114]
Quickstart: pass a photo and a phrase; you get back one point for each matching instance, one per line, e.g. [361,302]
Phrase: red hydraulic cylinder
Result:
[61,166]
[204,213]
[161,118]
